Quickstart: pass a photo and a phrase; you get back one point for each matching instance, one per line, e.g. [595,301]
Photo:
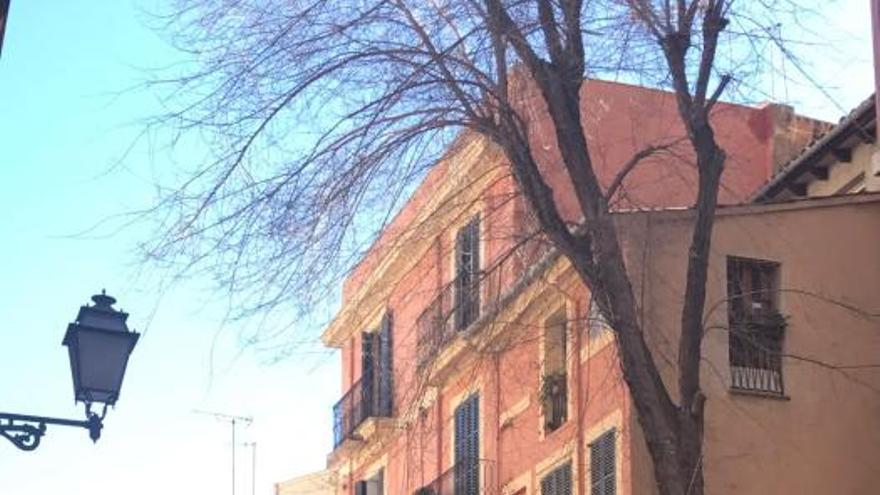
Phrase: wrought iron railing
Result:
[439,323]
[756,356]
[471,477]
[554,396]
[356,405]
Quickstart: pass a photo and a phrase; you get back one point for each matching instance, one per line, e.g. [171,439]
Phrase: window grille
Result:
[756,327]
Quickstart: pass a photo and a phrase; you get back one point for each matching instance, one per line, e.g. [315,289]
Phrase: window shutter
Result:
[360,488]
[467,274]
[462,278]
[558,481]
[368,374]
[467,447]
[386,367]
[475,267]
[565,480]
[603,465]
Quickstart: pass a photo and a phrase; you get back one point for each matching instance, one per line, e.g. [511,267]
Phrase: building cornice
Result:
[468,173]
[859,126]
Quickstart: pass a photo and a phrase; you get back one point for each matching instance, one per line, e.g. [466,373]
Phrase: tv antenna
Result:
[233,420]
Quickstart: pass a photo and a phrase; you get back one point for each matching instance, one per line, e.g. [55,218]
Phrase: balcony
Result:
[358,405]
[475,477]
[756,355]
[455,310]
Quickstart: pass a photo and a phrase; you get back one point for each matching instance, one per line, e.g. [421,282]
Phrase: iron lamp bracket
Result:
[25,431]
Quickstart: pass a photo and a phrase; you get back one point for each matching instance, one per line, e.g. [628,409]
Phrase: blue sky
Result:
[62,128]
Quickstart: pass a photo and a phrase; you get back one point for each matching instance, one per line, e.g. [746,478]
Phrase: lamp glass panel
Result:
[102,360]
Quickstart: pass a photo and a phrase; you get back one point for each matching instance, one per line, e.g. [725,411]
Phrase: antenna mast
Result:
[232,419]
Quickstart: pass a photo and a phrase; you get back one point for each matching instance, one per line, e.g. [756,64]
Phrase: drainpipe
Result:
[439,399]
[496,425]
[578,403]
[439,432]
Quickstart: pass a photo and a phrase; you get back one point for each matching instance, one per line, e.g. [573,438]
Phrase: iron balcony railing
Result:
[470,477]
[360,402]
[454,309]
[756,355]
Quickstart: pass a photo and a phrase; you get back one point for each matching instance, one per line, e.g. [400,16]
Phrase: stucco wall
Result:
[420,446]
[841,174]
[824,437]
[320,483]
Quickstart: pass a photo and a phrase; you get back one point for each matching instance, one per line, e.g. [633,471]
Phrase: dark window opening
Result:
[603,465]
[757,328]
[467,274]
[554,386]
[374,485]
[377,370]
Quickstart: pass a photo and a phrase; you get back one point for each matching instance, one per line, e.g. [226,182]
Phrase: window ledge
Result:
[758,393]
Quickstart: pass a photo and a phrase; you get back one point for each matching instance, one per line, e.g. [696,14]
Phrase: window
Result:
[558,481]
[466,472]
[603,461]
[467,274]
[375,485]
[377,370]
[755,324]
[554,389]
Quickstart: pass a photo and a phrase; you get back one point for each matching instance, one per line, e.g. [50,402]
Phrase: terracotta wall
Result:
[620,119]
[859,171]
[512,433]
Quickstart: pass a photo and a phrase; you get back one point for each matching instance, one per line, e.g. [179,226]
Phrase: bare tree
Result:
[322,114]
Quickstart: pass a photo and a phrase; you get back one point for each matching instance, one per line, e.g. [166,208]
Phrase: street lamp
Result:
[99,343]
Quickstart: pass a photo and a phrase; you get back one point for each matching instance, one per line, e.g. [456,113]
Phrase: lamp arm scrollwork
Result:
[26,431]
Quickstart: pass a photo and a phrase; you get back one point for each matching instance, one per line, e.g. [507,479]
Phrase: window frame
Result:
[756,327]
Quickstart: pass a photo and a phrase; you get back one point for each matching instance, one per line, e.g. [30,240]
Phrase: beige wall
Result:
[840,174]
[320,483]
[824,437]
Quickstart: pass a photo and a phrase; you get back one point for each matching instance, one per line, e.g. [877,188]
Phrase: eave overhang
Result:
[860,126]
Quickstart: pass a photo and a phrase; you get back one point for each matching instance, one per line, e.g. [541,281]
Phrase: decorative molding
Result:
[506,418]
